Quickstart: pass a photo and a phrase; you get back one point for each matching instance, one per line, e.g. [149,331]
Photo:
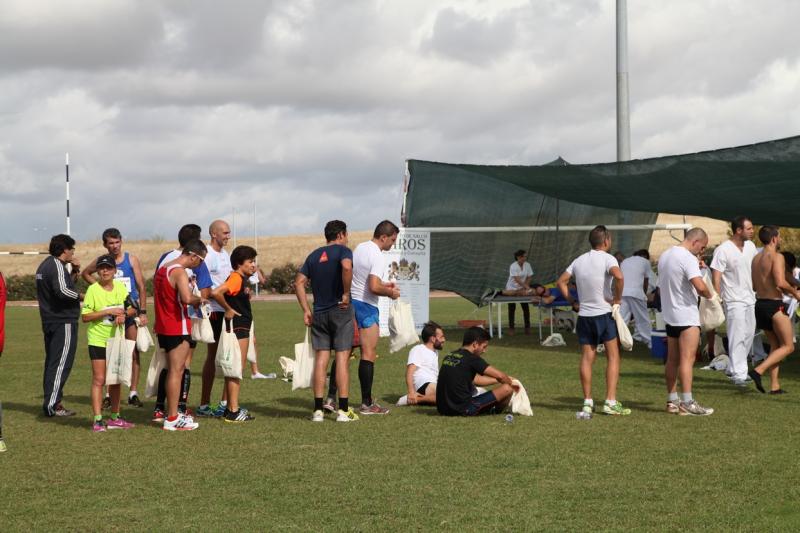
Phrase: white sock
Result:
[223,403]
[403,400]
[205,405]
[672,397]
[132,394]
[611,403]
[588,401]
[686,397]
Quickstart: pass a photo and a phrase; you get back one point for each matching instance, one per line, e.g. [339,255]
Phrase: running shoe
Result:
[615,409]
[185,411]
[349,416]
[98,427]
[60,410]
[182,423]
[259,375]
[694,409]
[219,410]
[119,423]
[135,401]
[756,377]
[402,401]
[158,416]
[236,417]
[588,408]
[106,403]
[318,416]
[373,409]
[673,407]
[777,391]
[329,405]
[205,411]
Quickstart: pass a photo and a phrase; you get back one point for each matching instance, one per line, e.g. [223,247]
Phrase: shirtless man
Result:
[769,282]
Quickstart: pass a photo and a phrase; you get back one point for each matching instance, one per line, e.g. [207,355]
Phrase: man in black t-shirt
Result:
[464,369]
[330,270]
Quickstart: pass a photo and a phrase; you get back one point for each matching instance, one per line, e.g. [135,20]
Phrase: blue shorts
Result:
[367,315]
[594,330]
[482,404]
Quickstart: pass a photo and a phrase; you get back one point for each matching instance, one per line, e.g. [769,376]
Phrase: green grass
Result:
[411,470]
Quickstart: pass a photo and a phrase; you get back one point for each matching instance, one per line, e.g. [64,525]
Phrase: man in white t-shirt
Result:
[422,369]
[218,262]
[733,280]
[369,268]
[594,272]
[520,274]
[680,282]
[638,274]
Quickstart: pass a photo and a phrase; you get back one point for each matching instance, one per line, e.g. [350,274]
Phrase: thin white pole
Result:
[255,241]
[234,226]
[623,111]
[515,229]
[67,170]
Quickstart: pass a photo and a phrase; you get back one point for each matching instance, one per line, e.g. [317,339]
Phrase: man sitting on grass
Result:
[465,368]
[422,369]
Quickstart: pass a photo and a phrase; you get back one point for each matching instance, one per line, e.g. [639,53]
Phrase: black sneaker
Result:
[235,417]
[106,403]
[135,401]
[756,377]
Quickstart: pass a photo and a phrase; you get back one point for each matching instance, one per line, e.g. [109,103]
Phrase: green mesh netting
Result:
[761,181]
[441,195]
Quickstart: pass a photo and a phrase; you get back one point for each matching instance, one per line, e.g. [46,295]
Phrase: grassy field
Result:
[411,470]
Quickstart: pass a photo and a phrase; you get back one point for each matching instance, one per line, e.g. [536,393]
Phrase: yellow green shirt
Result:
[97,299]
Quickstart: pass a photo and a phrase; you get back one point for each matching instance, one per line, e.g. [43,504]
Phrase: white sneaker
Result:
[349,416]
[318,416]
[182,423]
[259,375]
[403,400]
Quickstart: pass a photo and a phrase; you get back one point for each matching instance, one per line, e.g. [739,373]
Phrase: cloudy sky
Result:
[177,111]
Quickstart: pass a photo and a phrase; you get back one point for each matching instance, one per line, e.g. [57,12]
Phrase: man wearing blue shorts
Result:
[594,272]
[369,267]
[464,369]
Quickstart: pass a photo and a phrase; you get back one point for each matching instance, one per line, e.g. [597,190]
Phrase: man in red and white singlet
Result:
[173,327]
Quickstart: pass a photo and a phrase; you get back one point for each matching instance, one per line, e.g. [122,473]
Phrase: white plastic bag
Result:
[554,340]
[157,364]
[287,366]
[252,357]
[402,332]
[623,333]
[119,358]
[201,327]
[229,355]
[520,403]
[303,364]
[712,315]
[144,340]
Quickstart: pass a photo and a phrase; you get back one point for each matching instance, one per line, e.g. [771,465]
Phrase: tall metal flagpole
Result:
[67,167]
[623,112]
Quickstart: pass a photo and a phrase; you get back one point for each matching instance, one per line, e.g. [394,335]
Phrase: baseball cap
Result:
[105,260]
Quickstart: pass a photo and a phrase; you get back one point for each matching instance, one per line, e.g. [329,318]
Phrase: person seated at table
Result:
[519,284]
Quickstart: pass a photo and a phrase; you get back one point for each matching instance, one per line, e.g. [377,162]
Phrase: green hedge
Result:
[279,281]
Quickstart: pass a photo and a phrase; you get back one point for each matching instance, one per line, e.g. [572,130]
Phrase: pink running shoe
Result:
[98,427]
[119,423]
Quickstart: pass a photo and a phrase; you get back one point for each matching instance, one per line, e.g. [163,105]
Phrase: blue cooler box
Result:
[658,346]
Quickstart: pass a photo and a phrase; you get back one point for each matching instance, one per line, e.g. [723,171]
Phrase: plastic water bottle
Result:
[581,415]
[509,419]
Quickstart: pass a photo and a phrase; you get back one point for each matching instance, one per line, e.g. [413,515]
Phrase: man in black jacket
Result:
[59,308]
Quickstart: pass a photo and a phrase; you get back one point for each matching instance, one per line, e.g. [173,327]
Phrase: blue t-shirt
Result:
[324,268]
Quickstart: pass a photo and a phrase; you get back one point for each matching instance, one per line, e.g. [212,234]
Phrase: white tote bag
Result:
[623,333]
[157,364]
[712,315]
[402,332]
[303,364]
[252,357]
[287,367]
[229,355]
[119,358]
[144,340]
[201,327]
[520,403]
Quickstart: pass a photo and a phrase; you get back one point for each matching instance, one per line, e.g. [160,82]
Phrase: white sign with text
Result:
[408,265]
